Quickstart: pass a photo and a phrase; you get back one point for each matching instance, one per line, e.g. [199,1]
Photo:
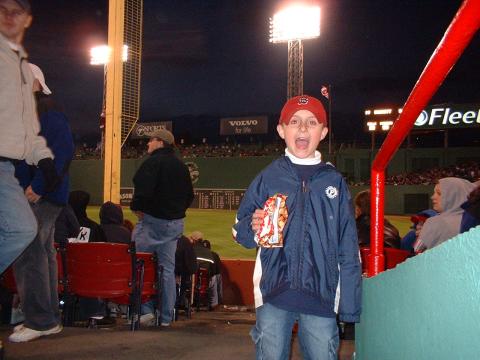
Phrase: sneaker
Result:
[148,319]
[18,327]
[165,324]
[26,334]
[102,322]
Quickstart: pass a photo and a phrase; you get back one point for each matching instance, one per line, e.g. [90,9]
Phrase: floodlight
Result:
[100,55]
[386,125]
[368,112]
[296,22]
[372,125]
[382,111]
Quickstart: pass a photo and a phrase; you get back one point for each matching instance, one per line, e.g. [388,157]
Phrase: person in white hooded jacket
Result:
[448,196]
[19,138]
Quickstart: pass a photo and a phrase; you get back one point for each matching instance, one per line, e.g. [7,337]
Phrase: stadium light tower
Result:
[100,55]
[293,24]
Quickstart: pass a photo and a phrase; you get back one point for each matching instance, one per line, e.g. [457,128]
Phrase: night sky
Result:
[212,57]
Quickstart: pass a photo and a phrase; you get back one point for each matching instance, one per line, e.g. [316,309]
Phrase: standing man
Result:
[19,138]
[36,269]
[163,192]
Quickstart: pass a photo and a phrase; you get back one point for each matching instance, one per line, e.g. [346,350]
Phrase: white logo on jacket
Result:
[331,192]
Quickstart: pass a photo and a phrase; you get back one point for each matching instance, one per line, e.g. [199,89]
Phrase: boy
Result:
[311,255]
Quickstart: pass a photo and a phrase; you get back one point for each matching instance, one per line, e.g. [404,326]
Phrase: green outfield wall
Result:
[238,172]
[426,308]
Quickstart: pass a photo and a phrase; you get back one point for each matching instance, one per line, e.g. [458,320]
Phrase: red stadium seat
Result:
[202,289]
[393,257]
[113,272]
[7,279]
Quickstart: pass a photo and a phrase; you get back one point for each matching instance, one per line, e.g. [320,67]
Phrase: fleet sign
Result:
[449,116]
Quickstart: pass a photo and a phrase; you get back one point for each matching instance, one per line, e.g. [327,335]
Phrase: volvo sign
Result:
[449,116]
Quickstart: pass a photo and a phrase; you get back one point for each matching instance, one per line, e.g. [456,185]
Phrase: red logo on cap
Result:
[303,101]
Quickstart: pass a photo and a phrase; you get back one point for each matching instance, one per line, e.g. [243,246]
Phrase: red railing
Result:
[457,37]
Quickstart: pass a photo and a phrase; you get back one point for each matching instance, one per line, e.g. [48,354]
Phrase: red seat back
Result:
[101,270]
[8,277]
[150,276]
[393,257]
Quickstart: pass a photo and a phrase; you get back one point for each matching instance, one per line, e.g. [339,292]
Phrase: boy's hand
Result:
[257,219]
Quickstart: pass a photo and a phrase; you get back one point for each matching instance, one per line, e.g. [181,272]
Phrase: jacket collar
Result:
[5,43]
[162,151]
[309,161]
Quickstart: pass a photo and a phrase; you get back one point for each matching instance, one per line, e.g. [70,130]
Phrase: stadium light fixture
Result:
[100,55]
[295,22]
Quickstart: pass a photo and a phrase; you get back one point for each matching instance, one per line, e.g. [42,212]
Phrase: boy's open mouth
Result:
[302,143]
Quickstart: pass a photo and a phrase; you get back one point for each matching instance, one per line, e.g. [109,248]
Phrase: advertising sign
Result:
[449,116]
[126,196]
[244,125]
[142,129]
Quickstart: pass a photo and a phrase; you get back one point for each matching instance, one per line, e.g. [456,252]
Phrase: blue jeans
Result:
[318,336]
[18,225]
[36,271]
[160,236]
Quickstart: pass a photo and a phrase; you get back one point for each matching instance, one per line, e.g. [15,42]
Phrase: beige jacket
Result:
[19,124]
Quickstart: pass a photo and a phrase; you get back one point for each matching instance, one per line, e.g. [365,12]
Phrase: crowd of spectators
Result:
[469,171]
[136,150]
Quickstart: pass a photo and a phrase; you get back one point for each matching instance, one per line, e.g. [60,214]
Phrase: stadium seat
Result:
[202,288]
[112,272]
[393,257]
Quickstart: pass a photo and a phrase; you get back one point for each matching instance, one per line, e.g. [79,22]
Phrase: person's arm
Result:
[253,200]
[189,184]
[57,131]
[145,181]
[349,261]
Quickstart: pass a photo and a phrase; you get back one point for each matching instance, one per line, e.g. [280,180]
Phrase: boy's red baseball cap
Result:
[303,102]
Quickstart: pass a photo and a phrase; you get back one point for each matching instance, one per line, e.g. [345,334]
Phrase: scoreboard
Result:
[221,199]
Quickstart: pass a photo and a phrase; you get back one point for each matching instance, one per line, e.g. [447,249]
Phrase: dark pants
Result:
[36,272]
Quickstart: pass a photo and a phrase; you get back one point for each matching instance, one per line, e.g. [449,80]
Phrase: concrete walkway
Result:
[208,335]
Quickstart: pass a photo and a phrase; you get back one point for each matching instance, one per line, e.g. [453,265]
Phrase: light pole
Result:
[100,55]
[292,25]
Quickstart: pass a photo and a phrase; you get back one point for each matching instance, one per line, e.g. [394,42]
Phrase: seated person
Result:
[90,231]
[66,226]
[391,236]
[448,196]
[417,223]
[185,267]
[205,259]
[216,282]
[471,214]
[111,223]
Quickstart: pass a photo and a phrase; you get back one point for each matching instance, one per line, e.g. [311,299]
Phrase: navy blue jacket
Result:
[320,256]
[56,130]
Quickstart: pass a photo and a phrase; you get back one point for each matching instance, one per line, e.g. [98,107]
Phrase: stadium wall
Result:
[426,308]
[238,172]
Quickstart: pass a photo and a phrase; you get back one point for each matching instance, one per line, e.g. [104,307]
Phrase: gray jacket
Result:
[19,124]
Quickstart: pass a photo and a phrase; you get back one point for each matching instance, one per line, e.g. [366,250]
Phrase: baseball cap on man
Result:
[25,4]
[303,102]
[422,216]
[38,74]
[164,135]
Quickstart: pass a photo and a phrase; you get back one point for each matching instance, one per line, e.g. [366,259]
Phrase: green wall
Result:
[426,308]
[238,172]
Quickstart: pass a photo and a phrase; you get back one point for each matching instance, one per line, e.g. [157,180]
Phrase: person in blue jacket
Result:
[307,268]
[36,269]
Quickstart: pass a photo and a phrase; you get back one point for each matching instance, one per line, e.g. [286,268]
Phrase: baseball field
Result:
[216,226]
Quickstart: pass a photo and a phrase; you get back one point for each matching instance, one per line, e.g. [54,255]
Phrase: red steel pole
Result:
[457,37]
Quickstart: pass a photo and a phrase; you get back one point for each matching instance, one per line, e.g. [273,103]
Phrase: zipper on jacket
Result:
[24,80]
[299,247]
